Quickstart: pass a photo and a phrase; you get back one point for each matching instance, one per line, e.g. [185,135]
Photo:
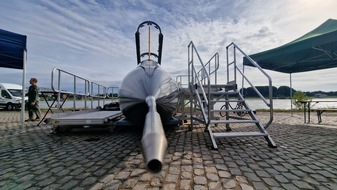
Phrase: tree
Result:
[284,91]
[300,97]
[264,90]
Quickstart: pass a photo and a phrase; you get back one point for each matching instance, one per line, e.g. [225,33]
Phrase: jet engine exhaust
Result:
[153,141]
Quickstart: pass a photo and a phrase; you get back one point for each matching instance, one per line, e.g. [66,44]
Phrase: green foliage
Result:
[281,92]
[299,97]
[284,91]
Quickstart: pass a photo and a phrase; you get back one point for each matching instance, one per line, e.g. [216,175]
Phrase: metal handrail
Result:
[59,78]
[179,80]
[195,72]
[215,57]
[182,86]
[244,78]
[112,91]
[98,95]
[88,90]
[196,82]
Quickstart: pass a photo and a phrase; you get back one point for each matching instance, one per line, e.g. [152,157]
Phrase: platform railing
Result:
[234,69]
[211,70]
[182,83]
[77,83]
[98,92]
[110,91]
[199,81]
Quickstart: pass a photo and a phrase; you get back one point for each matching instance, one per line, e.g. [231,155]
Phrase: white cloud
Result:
[95,39]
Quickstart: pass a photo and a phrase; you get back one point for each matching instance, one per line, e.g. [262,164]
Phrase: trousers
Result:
[33,109]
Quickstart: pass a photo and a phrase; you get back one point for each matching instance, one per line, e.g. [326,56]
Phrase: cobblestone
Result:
[212,177]
[229,183]
[185,184]
[246,187]
[36,159]
[200,180]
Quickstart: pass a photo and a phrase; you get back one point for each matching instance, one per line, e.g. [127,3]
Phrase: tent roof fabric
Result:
[12,46]
[313,51]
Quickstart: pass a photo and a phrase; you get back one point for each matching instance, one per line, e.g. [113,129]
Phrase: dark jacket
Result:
[33,94]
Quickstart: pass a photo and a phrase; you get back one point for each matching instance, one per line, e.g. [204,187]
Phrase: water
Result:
[283,104]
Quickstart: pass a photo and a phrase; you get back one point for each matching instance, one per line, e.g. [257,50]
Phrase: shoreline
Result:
[284,117]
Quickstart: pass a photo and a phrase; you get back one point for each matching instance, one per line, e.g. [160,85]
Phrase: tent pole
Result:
[22,115]
[291,96]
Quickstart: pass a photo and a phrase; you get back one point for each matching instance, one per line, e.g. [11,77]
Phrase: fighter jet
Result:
[149,96]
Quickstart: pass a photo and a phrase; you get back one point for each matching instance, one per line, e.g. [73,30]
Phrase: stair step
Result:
[239,134]
[230,110]
[225,86]
[233,121]
[225,93]
[222,100]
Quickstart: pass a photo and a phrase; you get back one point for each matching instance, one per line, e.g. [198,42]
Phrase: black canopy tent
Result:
[13,55]
[313,51]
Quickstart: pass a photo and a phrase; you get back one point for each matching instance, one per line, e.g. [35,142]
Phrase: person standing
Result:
[33,101]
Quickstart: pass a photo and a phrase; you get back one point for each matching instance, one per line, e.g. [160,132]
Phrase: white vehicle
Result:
[11,96]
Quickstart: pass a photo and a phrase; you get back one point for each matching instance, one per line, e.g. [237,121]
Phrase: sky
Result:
[95,39]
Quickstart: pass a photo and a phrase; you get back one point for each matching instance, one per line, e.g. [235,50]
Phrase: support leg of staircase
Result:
[215,146]
[270,141]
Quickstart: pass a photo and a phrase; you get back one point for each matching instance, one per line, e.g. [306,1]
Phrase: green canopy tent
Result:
[313,51]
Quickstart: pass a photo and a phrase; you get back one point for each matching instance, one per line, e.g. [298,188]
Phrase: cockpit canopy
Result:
[146,49]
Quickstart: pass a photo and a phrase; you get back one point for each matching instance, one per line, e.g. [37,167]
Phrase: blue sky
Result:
[95,38]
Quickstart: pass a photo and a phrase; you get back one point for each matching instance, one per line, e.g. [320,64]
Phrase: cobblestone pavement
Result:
[306,158]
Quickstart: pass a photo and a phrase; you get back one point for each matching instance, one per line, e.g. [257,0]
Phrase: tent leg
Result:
[291,96]
[22,115]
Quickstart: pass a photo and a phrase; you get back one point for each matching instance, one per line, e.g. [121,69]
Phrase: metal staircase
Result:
[206,92]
